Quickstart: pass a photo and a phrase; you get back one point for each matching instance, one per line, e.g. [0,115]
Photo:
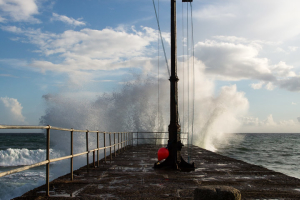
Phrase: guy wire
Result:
[158,71]
[188,66]
[193,114]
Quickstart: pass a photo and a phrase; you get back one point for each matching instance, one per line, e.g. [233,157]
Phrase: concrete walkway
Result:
[131,176]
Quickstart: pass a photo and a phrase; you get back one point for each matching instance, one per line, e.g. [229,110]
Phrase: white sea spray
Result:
[133,107]
[19,157]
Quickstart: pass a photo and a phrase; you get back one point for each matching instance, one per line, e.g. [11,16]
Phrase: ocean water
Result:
[20,149]
[278,152]
[17,150]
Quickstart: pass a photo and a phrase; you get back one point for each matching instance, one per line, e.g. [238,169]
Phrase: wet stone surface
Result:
[131,176]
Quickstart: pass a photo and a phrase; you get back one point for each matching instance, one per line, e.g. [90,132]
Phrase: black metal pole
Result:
[174,160]
[174,127]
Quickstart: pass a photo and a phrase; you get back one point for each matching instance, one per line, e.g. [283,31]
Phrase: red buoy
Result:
[162,153]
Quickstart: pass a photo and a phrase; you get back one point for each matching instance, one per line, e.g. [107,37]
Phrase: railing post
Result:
[48,164]
[110,147]
[87,149]
[104,147]
[72,177]
[98,149]
[115,144]
[94,160]
[119,143]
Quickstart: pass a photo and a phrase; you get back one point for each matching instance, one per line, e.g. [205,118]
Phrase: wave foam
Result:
[17,157]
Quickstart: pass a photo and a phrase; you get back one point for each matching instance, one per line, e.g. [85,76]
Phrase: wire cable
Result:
[188,67]
[162,42]
[193,44]
[172,89]
[183,95]
[158,72]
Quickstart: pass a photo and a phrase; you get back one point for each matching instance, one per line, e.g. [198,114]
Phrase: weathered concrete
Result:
[217,193]
[131,176]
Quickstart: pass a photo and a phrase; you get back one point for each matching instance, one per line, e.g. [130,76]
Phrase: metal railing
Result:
[127,138]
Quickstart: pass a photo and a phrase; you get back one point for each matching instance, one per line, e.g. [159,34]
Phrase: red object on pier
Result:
[162,153]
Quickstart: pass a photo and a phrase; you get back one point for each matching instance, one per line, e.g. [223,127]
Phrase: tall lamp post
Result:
[175,159]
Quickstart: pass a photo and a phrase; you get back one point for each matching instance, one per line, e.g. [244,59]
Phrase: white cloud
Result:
[280,50]
[235,61]
[212,12]
[268,20]
[2,19]
[250,121]
[11,111]
[253,124]
[293,103]
[269,86]
[104,44]
[257,86]
[12,29]
[19,10]
[245,36]
[269,121]
[254,121]
[239,59]
[84,53]
[283,70]
[293,48]
[67,20]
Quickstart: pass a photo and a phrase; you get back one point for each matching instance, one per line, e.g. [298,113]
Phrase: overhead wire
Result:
[188,60]
[183,101]
[158,125]
[162,42]
[193,50]
[166,60]
[188,67]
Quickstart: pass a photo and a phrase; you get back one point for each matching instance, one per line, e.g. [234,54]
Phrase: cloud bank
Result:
[11,111]
[269,125]
[19,11]
[231,58]
[84,54]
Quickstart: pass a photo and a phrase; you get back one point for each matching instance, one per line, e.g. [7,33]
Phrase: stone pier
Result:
[131,175]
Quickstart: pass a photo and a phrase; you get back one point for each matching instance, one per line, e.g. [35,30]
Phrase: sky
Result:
[83,49]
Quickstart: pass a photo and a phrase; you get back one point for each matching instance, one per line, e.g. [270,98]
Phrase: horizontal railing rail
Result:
[126,139]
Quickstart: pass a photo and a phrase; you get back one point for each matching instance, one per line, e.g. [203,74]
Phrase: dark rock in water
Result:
[217,193]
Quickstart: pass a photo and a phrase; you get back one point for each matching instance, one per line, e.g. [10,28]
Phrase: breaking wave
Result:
[19,157]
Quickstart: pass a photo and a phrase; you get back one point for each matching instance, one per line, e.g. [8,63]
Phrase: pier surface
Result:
[131,175]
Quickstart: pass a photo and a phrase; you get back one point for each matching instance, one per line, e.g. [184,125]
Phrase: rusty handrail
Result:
[127,139]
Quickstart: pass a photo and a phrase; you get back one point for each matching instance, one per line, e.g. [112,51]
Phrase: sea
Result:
[279,152]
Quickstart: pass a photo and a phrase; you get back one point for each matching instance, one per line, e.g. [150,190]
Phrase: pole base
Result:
[172,164]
